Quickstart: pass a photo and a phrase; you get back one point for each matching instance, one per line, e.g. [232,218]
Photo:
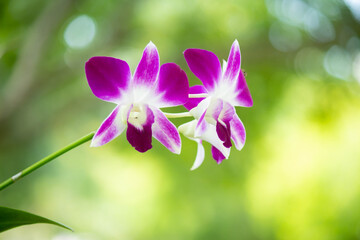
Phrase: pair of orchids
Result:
[139,97]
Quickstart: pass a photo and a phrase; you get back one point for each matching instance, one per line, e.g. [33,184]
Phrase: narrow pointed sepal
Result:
[200,155]
[148,69]
[233,64]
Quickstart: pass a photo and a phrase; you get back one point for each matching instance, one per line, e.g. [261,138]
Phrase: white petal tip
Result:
[200,155]
[226,155]
[177,151]
[95,144]
[236,44]
[193,168]
[151,45]
[239,148]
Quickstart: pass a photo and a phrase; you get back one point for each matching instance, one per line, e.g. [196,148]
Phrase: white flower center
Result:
[138,116]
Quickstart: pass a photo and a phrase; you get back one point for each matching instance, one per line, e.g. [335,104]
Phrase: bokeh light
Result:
[356,67]
[80,32]
[319,26]
[354,6]
[284,38]
[337,62]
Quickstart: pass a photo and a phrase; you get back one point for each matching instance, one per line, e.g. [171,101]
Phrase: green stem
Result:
[45,160]
[198,95]
[177,115]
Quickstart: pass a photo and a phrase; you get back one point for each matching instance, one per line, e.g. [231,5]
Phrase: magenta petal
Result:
[238,133]
[201,126]
[243,97]
[193,102]
[205,65]
[217,155]
[165,132]
[233,63]
[224,133]
[173,86]
[211,136]
[140,137]
[109,129]
[148,68]
[227,112]
[222,112]
[107,77]
[215,108]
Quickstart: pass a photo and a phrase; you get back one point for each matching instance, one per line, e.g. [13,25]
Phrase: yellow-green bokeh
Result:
[297,176]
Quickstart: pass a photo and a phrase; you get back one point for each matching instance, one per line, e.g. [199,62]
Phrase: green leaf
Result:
[11,218]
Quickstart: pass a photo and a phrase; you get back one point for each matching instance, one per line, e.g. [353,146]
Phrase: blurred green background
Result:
[298,176]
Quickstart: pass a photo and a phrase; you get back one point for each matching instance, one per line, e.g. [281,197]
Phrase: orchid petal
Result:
[188,129]
[193,102]
[220,113]
[238,134]
[205,65]
[108,77]
[200,155]
[201,125]
[227,112]
[139,133]
[165,132]
[213,111]
[224,66]
[199,110]
[211,136]
[243,96]
[217,155]
[224,133]
[223,124]
[233,65]
[148,69]
[173,86]
[109,129]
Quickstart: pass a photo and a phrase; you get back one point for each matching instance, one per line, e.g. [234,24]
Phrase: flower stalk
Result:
[45,160]
[178,115]
[198,95]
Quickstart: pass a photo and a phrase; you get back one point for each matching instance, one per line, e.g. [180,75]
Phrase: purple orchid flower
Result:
[213,106]
[138,99]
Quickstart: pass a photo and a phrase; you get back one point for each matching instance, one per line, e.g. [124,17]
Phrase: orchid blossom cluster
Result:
[140,97]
